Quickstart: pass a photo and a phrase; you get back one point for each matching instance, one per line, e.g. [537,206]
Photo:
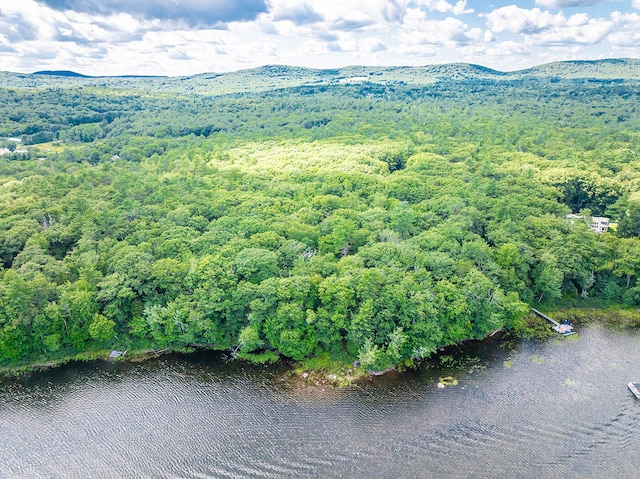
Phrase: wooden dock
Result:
[564,329]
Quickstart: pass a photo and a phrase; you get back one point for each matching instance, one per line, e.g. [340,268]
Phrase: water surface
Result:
[554,409]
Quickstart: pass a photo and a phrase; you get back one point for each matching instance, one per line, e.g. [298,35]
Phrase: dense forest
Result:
[371,218]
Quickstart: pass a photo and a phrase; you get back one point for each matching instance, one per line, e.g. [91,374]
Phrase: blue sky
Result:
[183,37]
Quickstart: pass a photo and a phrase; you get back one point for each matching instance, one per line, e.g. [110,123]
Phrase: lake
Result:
[523,409]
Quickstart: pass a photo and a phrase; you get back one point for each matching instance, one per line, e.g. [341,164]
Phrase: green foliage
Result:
[630,218]
[376,221]
[249,340]
[101,329]
[256,264]
[371,357]
[265,357]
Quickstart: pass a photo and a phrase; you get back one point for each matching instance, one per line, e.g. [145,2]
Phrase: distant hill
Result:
[609,69]
[273,77]
[61,73]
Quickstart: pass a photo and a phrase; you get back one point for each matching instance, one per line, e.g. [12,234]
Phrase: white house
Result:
[599,224]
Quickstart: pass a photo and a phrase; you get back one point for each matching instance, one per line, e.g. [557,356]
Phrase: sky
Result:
[186,37]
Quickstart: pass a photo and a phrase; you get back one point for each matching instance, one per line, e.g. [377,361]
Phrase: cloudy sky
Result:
[183,37]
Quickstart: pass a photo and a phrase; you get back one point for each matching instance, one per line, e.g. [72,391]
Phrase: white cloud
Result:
[625,39]
[313,48]
[587,33]
[415,52]
[351,14]
[414,18]
[627,33]
[52,25]
[372,45]
[567,3]
[508,49]
[296,11]
[319,33]
[544,28]
[522,20]
[194,13]
[448,32]
[461,8]
[346,42]
[626,19]
[443,6]
[435,5]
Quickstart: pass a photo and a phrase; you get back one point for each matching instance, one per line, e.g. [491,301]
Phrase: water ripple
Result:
[560,410]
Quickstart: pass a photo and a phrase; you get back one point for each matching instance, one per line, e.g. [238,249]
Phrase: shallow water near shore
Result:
[555,409]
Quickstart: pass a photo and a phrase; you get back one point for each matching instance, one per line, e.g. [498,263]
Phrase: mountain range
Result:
[272,77]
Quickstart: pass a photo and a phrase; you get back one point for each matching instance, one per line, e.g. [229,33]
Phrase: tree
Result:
[101,329]
[288,331]
[629,224]
[548,278]
[361,327]
[402,219]
[256,264]
[371,357]
[627,261]
[341,238]
[249,339]
[396,348]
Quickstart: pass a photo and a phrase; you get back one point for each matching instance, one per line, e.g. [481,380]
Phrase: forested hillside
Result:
[371,218]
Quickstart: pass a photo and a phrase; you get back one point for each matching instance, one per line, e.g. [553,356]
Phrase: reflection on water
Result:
[558,409]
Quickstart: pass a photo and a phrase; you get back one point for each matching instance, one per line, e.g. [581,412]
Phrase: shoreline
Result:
[132,356]
[325,371]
